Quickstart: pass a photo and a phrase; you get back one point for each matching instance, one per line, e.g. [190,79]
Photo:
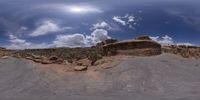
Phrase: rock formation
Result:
[3,52]
[182,50]
[141,46]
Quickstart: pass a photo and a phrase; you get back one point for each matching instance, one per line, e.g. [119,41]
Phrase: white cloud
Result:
[131,18]
[70,40]
[17,43]
[119,20]
[80,40]
[100,35]
[165,40]
[47,27]
[101,25]
[74,40]
[23,28]
[187,44]
[127,20]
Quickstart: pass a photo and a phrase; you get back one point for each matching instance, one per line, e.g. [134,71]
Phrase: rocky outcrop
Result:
[3,52]
[55,55]
[142,46]
[183,50]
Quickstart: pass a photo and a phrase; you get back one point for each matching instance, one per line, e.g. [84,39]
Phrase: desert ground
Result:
[162,77]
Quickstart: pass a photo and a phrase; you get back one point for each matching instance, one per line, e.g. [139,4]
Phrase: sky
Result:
[28,24]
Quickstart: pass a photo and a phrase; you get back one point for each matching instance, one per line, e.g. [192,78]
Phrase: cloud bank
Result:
[69,40]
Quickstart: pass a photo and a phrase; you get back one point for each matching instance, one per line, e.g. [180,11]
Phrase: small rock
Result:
[37,60]
[45,61]
[80,68]
[36,57]
[83,62]
[53,58]
[29,58]
[4,57]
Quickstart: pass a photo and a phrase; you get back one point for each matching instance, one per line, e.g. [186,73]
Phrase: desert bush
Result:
[93,57]
[113,51]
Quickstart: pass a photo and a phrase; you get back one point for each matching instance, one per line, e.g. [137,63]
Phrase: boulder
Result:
[83,62]
[53,58]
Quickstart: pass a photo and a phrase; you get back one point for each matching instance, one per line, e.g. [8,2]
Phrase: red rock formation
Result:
[182,50]
[134,47]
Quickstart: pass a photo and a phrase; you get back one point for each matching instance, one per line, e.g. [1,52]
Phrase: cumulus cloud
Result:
[101,25]
[69,40]
[74,40]
[100,35]
[119,20]
[47,27]
[17,43]
[80,40]
[127,20]
[167,40]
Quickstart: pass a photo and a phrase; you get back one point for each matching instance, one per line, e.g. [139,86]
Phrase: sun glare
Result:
[77,9]
[82,9]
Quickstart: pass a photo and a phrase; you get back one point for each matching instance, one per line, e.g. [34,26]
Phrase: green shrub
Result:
[113,51]
[93,57]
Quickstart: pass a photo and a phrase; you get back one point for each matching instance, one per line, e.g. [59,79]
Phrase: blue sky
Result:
[82,23]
